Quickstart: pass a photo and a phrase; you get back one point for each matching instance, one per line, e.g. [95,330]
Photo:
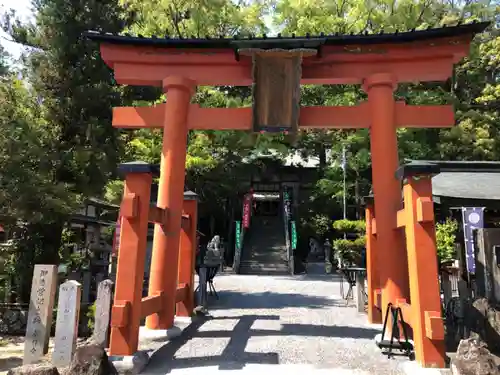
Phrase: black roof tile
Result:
[467,185]
[294,41]
[433,167]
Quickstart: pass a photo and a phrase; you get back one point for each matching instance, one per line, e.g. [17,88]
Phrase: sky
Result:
[22,8]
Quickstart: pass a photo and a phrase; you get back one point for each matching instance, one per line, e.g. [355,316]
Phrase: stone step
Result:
[264,260]
[250,263]
[271,272]
[261,268]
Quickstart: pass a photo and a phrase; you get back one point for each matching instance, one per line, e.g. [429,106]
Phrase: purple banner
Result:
[473,218]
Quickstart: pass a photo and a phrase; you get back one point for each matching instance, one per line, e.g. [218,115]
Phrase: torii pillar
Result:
[165,255]
[392,269]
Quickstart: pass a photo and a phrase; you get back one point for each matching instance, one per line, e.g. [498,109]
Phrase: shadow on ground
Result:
[234,355]
[10,362]
[315,277]
[268,300]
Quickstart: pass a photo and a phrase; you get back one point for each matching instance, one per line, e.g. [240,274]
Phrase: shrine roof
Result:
[307,41]
[467,185]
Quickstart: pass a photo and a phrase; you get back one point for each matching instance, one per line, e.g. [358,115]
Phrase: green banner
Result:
[294,235]
[237,235]
[286,195]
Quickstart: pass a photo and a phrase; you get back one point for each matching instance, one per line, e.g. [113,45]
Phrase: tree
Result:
[73,93]
[214,158]
[68,75]
[350,249]
[475,81]
[31,200]
[446,233]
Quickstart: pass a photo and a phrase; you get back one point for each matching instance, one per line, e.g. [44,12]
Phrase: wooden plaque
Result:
[276,90]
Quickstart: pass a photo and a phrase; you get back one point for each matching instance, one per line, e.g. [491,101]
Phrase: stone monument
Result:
[43,291]
[103,306]
[68,313]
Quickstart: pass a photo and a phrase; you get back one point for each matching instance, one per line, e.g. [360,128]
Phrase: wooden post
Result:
[134,211]
[43,292]
[446,286]
[86,284]
[165,254]
[372,266]
[423,269]
[187,254]
[393,270]
[360,292]
[68,313]
[203,286]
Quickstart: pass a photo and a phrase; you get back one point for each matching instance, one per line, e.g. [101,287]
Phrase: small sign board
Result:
[237,234]
[473,218]
[294,234]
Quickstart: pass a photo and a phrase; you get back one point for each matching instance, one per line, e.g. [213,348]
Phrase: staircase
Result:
[264,250]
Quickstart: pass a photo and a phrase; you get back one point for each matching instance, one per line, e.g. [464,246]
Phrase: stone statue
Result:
[215,253]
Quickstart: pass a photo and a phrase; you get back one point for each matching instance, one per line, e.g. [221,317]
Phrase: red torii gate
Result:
[378,62]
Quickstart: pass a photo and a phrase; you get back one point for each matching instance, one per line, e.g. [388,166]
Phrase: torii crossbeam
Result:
[276,67]
[346,117]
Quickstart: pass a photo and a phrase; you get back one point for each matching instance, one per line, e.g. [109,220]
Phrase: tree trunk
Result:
[357,198]
[322,160]
[39,243]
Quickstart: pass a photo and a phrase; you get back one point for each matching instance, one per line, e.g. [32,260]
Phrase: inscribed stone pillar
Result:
[43,291]
[103,312]
[98,279]
[68,313]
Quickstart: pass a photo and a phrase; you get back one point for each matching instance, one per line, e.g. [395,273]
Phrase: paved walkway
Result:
[284,324]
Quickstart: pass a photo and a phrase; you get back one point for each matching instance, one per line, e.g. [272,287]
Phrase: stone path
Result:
[284,324]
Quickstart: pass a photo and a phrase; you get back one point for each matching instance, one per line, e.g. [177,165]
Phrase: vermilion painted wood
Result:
[341,117]
[373,279]
[409,62]
[165,253]
[187,258]
[393,275]
[126,312]
[427,324]
[379,67]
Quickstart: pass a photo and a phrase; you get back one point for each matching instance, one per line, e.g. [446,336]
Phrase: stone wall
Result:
[483,321]
[13,320]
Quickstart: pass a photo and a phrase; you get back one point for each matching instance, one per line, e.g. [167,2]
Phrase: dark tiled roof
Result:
[479,180]
[432,167]
[471,180]
[463,166]
[467,185]
[307,41]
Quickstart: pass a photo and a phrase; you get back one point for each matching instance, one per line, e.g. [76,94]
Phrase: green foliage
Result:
[91,317]
[319,224]
[350,226]
[57,145]
[28,190]
[114,191]
[349,250]
[74,86]
[445,239]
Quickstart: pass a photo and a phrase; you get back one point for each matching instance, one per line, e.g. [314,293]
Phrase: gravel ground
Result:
[298,322]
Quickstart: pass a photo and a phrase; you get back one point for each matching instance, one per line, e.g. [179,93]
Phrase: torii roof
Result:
[411,56]
[293,42]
